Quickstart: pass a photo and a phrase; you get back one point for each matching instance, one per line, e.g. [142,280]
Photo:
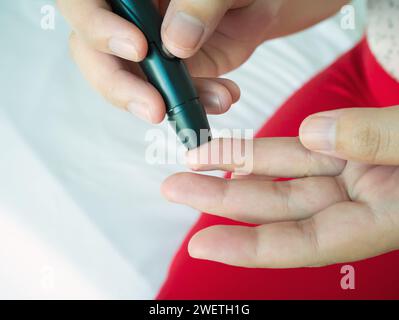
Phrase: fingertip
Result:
[224,244]
[157,109]
[131,46]
[195,248]
[104,30]
[141,50]
[215,95]
[171,187]
[145,101]
[112,34]
[232,87]
[214,102]
[226,99]
[167,188]
[301,131]
[318,132]
[205,244]
[178,52]
[182,33]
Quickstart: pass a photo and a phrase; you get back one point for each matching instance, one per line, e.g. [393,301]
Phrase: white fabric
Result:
[81,215]
[383,33]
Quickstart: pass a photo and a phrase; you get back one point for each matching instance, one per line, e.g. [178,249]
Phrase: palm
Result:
[370,193]
[370,184]
[370,202]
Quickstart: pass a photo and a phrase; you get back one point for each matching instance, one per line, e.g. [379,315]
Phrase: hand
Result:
[218,37]
[343,207]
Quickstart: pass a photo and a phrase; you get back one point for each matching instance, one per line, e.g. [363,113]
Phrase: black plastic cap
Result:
[191,124]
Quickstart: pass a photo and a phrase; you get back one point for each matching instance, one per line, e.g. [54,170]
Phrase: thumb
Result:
[189,23]
[363,135]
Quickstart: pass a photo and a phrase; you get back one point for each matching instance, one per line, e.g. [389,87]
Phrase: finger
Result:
[103,30]
[217,95]
[113,78]
[276,157]
[115,81]
[198,19]
[253,201]
[345,232]
[233,88]
[363,135]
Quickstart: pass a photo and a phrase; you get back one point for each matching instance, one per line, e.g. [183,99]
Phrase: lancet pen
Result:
[167,74]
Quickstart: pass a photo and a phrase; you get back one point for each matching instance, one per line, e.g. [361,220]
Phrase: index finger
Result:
[103,30]
[275,157]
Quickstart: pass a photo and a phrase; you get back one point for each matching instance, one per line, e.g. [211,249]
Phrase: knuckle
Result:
[110,88]
[308,229]
[367,142]
[283,191]
[89,28]
[257,254]
[225,198]
[309,163]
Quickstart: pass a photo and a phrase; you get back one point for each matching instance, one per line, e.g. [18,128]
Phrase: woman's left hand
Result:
[343,205]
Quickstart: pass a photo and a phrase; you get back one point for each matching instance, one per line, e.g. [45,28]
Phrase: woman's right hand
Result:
[107,48]
[214,36]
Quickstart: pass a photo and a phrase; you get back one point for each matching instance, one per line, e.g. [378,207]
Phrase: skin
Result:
[222,47]
[343,205]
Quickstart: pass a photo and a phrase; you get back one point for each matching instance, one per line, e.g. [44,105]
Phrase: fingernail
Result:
[185,31]
[212,102]
[318,133]
[123,48]
[140,110]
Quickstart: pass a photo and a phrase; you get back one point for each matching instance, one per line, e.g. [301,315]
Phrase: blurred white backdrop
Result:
[81,215]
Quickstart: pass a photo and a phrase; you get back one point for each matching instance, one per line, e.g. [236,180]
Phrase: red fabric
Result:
[355,80]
